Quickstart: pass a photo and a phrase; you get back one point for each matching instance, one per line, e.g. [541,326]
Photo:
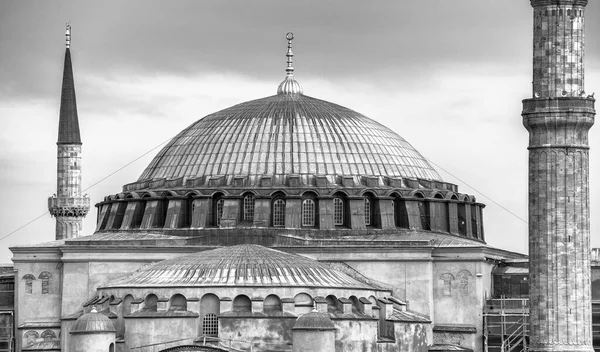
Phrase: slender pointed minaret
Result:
[68,205]
[558,119]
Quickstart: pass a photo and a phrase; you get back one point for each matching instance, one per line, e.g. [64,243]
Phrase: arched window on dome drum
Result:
[400,213]
[462,218]
[271,304]
[249,207]
[127,305]
[338,211]
[279,212]
[242,303]
[368,212]
[178,302]
[189,211]
[219,211]
[150,303]
[210,325]
[474,221]
[308,212]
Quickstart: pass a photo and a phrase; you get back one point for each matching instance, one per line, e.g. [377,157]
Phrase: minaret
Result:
[558,119]
[68,205]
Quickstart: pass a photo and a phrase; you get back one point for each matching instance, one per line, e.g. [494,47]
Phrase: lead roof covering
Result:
[284,135]
[242,265]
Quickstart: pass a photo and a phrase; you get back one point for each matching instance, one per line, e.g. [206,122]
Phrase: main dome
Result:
[287,134]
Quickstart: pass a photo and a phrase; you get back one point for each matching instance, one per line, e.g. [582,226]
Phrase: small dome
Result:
[93,322]
[314,321]
[242,265]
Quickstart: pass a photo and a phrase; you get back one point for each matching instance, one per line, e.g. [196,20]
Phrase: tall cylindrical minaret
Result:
[68,205]
[558,119]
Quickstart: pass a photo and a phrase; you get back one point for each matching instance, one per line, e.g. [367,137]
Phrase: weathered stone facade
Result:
[558,119]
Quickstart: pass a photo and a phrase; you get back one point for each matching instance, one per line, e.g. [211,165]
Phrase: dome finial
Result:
[68,35]
[289,84]
[290,54]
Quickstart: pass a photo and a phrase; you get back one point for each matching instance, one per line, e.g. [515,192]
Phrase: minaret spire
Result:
[289,85]
[68,205]
[558,119]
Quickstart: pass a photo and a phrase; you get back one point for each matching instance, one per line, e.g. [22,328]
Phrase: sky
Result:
[448,76]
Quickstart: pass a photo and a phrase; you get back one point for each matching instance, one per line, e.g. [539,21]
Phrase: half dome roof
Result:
[242,266]
[287,134]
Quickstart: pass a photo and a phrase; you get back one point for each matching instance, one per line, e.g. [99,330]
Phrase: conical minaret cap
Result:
[68,126]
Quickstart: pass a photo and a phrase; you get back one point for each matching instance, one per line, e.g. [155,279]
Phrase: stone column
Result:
[558,119]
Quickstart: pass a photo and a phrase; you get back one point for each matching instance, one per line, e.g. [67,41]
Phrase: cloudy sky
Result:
[448,76]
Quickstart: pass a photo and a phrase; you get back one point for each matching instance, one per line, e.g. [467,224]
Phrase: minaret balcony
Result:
[71,206]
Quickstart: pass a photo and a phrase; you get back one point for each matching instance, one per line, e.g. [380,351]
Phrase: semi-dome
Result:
[245,265]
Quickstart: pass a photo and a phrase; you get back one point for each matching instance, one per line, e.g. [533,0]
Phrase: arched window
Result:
[272,303]
[150,303]
[368,211]
[332,303]
[279,212]
[48,335]
[210,325]
[111,347]
[127,305]
[189,211]
[400,213]
[178,302]
[249,207]
[45,277]
[28,283]
[308,212]
[303,303]
[242,304]
[338,211]
[219,211]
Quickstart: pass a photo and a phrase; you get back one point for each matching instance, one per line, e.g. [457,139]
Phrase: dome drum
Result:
[351,211]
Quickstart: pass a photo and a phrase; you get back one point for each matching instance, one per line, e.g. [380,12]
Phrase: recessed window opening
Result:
[279,212]
[178,302]
[249,207]
[338,211]
[150,303]
[219,211]
[242,304]
[272,304]
[367,211]
[308,212]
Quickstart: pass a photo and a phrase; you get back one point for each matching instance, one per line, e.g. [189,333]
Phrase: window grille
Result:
[367,211]
[219,211]
[210,325]
[279,212]
[338,211]
[308,212]
[249,207]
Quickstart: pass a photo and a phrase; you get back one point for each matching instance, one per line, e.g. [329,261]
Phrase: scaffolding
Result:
[506,325]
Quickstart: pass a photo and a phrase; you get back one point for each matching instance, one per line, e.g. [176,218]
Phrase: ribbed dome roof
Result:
[287,134]
[93,322]
[243,265]
[314,321]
